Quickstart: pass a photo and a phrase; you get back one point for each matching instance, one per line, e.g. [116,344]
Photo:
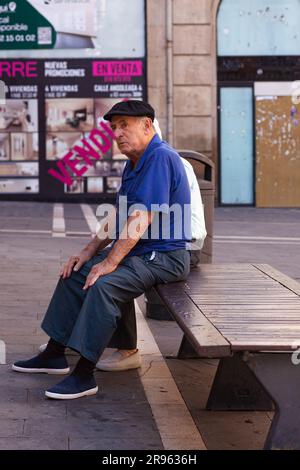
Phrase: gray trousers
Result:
[125,336]
[86,321]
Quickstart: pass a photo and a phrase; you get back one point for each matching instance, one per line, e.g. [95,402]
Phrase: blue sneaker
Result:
[72,387]
[41,364]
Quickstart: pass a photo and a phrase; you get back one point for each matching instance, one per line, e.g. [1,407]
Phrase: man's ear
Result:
[148,125]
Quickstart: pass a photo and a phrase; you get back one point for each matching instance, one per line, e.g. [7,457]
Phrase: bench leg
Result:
[235,387]
[281,378]
[186,350]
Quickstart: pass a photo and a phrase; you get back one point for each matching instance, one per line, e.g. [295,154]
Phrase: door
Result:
[236,145]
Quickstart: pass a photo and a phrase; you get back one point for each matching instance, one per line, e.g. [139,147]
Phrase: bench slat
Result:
[204,337]
[286,281]
[259,346]
[244,307]
[220,308]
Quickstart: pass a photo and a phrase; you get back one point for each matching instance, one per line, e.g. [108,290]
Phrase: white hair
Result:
[157,128]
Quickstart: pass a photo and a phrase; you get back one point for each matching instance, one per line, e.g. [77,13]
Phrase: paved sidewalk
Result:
[270,236]
[120,416]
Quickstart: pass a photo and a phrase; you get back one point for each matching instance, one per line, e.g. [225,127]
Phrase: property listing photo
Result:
[72,114]
[117,168]
[95,185]
[19,169]
[59,143]
[113,184]
[99,168]
[4,147]
[77,187]
[19,116]
[86,136]
[102,106]
[19,147]
[19,185]
[24,146]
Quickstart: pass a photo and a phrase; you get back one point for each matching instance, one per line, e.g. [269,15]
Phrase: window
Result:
[259,28]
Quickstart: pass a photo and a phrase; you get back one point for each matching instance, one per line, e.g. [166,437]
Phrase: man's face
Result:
[132,134]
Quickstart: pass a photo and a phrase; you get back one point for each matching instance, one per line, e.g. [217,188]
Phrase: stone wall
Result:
[157,60]
[193,71]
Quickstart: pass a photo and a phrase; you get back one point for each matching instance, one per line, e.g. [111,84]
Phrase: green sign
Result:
[23,27]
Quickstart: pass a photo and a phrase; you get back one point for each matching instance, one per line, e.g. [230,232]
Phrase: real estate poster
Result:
[47,24]
[52,106]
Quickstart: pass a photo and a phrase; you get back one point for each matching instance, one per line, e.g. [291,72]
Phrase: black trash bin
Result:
[204,169]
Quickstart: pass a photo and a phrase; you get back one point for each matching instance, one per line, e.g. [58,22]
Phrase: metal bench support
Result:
[186,350]
[236,388]
[250,385]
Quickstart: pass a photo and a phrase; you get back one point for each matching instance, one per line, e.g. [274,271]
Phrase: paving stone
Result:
[88,428]
[109,413]
[31,410]
[18,330]
[13,395]
[28,382]
[11,427]
[233,430]
[18,351]
[12,340]
[115,444]
[36,443]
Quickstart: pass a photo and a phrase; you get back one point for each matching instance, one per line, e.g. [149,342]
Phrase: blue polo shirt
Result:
[158,183]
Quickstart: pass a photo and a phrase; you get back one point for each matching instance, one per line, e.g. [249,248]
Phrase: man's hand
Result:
[74,263]
[98,270]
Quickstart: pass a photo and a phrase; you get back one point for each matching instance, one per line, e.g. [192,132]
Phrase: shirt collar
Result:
[155,141]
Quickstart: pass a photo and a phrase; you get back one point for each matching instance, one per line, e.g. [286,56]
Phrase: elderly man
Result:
[85,308]
[127,355]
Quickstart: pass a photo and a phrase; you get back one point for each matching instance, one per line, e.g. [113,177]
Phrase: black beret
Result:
[131,108]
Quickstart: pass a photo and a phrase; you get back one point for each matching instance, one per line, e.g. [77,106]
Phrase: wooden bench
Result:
[248,316]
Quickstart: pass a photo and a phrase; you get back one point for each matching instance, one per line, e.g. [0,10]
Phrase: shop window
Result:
[259,28]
